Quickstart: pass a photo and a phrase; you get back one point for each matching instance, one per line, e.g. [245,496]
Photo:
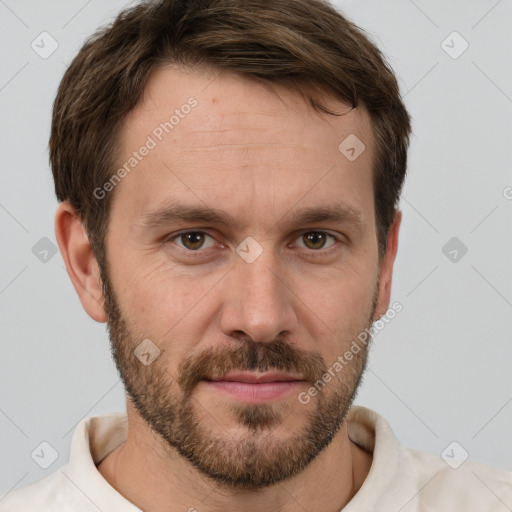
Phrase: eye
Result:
[315,240]
[193,240]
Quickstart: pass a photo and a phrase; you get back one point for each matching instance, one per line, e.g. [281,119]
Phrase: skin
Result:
[258,155]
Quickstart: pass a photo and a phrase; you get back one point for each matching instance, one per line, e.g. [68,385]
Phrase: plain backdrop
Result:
[439,372]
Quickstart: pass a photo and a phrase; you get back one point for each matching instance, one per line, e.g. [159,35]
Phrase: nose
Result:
[258,300]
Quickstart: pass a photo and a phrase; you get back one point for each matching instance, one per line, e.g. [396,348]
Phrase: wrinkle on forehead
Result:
[241,137]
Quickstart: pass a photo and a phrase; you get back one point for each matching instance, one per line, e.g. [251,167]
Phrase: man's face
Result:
[266,291]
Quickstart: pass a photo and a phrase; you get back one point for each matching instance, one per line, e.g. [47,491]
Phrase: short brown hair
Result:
[292,42]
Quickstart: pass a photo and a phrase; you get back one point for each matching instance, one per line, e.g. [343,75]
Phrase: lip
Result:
[257,378]
[255,388]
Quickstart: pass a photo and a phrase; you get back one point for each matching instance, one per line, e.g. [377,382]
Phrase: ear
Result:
[80,261]
[386,268]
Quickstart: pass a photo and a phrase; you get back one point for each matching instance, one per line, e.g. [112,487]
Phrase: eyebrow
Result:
[340,213]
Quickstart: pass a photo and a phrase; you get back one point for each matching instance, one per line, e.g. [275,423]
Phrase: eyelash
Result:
[312,252]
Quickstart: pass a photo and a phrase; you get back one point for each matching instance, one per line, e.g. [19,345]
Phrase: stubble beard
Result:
[258,458]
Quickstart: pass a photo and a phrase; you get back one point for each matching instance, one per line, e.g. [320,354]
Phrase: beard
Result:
[258,458]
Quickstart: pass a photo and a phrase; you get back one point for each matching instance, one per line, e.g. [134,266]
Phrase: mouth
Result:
[250,387]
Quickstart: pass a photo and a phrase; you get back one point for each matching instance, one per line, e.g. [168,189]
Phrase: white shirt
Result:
[400,479]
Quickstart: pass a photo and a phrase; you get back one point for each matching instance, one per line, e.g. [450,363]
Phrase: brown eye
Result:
[315,239]
[193,240]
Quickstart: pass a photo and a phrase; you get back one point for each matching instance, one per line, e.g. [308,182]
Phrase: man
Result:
[229,174]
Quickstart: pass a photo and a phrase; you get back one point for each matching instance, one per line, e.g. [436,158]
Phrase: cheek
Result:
[159,300]
[338,309]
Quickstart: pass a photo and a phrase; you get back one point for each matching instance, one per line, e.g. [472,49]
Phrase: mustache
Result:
[251,356]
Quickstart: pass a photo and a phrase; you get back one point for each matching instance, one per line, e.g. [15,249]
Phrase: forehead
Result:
[211,133]
[226,100]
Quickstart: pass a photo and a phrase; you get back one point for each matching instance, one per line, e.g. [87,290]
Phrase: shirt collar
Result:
[96,436]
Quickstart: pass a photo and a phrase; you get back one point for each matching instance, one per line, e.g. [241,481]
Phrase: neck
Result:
[156,478]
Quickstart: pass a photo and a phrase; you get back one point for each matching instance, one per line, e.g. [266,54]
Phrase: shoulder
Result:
[50,493]
[77,486]
[447,483]
[409,480]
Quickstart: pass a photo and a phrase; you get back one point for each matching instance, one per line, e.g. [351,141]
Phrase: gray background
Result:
[439,372]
